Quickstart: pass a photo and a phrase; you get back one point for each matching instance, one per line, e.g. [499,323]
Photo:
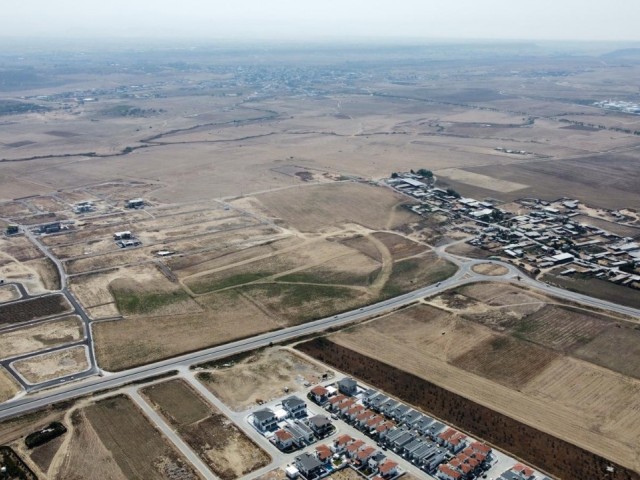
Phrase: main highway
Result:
[464,275]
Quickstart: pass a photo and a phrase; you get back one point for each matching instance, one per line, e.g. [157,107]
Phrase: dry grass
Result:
[400,247]
[263,376]
[315,208]
[8,386]
[227,451]
[138,340]
[49,366]
[490,269]
[618,348]
[40,336]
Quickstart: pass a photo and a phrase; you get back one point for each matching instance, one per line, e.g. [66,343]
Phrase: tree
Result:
[423,172]
[394,175]
[451,192]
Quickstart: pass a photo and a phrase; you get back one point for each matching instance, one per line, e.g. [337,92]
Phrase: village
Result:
[348,425]
[536,235]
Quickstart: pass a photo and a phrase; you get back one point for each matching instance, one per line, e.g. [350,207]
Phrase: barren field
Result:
[264,375]
[227,450]
[8,293]
[490,269]
[316,208]
[33,308]
[113,439]
[50,366]
[505,373]
[40,336]
[8,386]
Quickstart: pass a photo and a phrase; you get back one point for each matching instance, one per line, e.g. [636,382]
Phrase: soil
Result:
[49,366]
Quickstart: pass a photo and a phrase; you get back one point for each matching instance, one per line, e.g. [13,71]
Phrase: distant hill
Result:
[624,53]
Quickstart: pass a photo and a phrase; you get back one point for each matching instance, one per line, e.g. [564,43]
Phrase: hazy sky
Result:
[314,19]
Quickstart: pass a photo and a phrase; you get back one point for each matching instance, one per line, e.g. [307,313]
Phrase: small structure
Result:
[348,386]
[134,203]
[265,420]
[124,235]
[12,229]
[51,227]
[284,439]
[292,472]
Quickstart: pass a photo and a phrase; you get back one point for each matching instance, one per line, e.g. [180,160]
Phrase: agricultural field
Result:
[34,308]
[506,347]
[41,336]
[260,377]
[222,446]
[52,365]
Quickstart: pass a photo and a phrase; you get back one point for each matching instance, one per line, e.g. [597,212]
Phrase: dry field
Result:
[262,376]
[8,386]
[477,345]
[8,293]
[33,309]
[222,446]
[318,208]
[350,474]
[113,439]
[275,474]
[49,366]
[490,269]
[40,336]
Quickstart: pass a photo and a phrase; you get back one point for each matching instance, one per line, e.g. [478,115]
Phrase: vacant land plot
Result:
[490,269]
[227,450]
[40,336]
[622,230]
[351,474]
[160,297]
[47,272]
[618,348]
[315,208]
[8,293]
[505,360]
[138,340]
[50,366]
[113,436]
[34,308]
[8,386]
[400,247]
[262,376]
[417,272]
[478,180]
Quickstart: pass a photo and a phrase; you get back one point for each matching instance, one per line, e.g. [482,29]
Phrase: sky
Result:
[593,20]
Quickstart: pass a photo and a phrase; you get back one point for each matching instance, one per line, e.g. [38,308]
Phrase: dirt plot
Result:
[400,247]
[41,336]
[505,360]
[49,366]
[263,375]
[34,308]
[478,180]
[20,248]
[113,439]
[490,269]
[218,441]
[8,386]
[43,455]
[8,293]
[618,348]
[351,474]
[47,271]
[315,208]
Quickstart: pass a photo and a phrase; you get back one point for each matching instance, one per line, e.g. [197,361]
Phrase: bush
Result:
[53,430]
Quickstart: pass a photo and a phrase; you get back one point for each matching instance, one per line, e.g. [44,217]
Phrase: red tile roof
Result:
[481,448]
[343,439]
[319,390]
[447,470]
[283,435]
[387,466]
[365,453]
[323,452]
[355,446]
